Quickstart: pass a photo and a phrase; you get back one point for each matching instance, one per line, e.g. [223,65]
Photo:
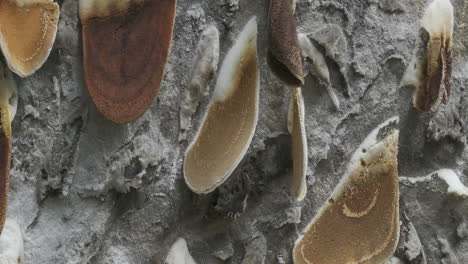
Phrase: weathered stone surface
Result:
[88,191]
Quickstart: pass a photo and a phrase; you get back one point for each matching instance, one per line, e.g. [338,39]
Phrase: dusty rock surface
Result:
[88,191]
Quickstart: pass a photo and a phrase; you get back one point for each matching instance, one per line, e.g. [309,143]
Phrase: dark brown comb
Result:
[284,54]
[125,49]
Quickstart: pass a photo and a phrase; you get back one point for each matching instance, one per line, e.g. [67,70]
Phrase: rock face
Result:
[86,190]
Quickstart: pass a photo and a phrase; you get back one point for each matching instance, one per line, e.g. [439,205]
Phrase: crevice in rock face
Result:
[424,146]
[36,219]
[133,169]
[392,68]
[125,202]
[56,175]
[337,78]
[143,128]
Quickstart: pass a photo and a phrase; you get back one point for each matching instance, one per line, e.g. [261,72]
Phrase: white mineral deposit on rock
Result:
[206,60]
[434,82]
[11,243]
[204,68]
[455,186]
[438,18]
[414,180]
[179,253]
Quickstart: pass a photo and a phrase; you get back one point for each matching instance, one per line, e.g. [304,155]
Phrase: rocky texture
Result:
[88,191]
[409,246]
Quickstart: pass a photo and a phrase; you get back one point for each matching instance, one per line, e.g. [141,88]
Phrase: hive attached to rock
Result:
[434,83]
[360,221]
[296,127]
[125,50]
[229,125]
[27,33]
[8,104]
[284,54]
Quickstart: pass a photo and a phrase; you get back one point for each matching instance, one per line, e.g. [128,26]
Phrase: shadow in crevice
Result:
[419,156]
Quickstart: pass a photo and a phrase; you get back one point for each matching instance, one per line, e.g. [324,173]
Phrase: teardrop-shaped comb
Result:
[229,125]
[125,49]
[360,221]
[27,33]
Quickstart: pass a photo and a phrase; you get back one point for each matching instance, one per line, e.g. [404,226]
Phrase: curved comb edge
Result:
[247,40]
[5,153]
[298,111]
[284,55]
[372,146]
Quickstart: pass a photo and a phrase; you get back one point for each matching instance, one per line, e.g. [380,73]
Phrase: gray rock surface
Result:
[86,190]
